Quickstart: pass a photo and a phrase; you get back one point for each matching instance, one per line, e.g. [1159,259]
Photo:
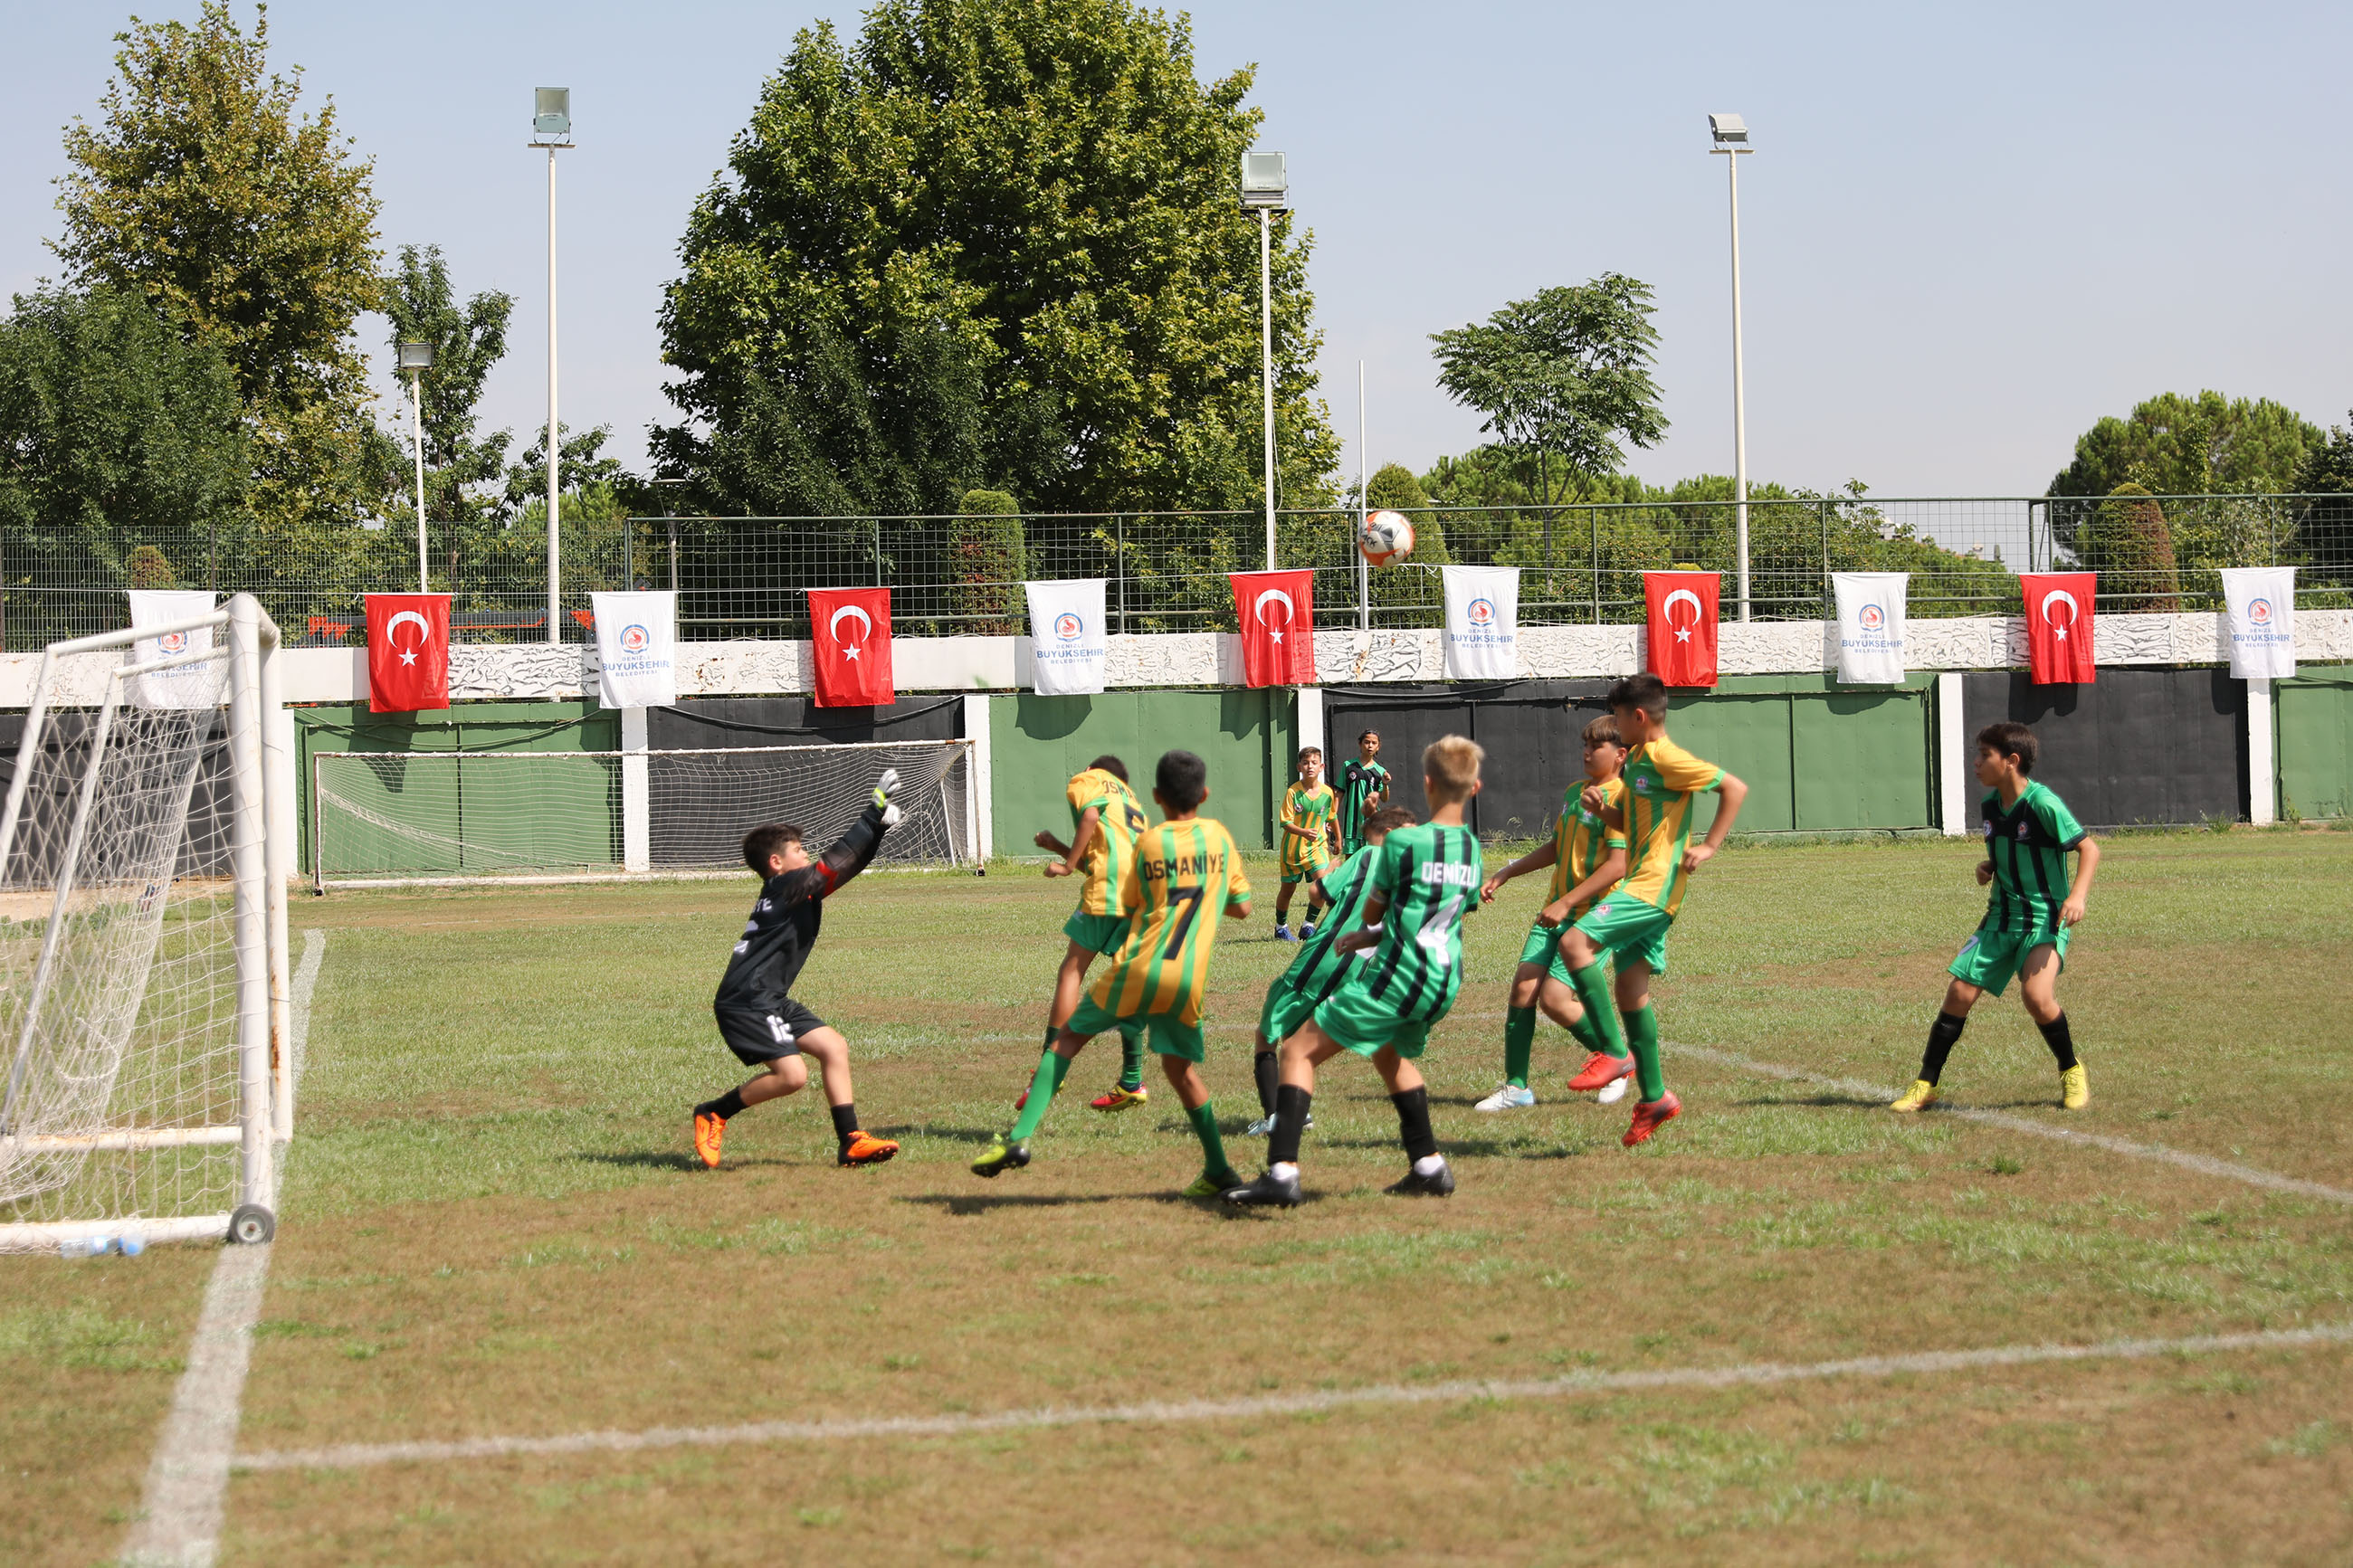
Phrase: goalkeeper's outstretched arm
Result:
[855,850]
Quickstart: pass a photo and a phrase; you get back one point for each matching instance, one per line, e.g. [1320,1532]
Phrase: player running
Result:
[1587,856]
[1105,818]
[2027,833]
[1364,789]
[1631,921]
[1317,970]
[757,1016]
[1425,880]
[1187,875]
[1307,842]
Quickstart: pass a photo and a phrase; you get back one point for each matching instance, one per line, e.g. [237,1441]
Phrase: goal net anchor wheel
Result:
[251,1224]
[146,1075]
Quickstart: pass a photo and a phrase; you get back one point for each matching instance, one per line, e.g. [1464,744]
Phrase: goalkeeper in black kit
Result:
[757,1016]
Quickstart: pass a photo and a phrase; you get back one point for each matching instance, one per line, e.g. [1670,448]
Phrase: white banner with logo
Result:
[1869,627]
[637,645]
[2262,606]
[1069,651]
[191,685]
[1482,622]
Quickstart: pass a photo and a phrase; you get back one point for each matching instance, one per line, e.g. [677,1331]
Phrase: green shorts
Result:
[1315,873]
[1543,941]
[1630,930]
[1360,1022]
[1171,1036]
[1097,933]
[1990,957]
[1286,1008]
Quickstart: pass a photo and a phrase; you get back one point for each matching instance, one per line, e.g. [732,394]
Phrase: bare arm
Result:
[1090,827]
[2087,866]
[1536,859]
[1733,793]
[1376,910]
[1606,877]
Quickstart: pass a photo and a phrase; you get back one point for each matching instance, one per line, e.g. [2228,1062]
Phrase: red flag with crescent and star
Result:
[1277,611]
[2059,627]
[408,652]
[1680,610]
[849,632]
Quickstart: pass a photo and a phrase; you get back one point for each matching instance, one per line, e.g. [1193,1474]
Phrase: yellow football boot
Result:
[1919,1097]
[2074,1088]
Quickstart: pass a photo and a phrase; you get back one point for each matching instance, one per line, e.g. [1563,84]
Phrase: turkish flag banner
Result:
[849,632]
[1679,608]
[2059,627]
[1277,611]
[408,652]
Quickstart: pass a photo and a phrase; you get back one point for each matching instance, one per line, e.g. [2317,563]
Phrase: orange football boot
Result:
[865,1149]
[1600,1072]
[1649,1115]
[708,1131]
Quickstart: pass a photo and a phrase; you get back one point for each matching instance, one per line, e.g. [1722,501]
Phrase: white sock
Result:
[1430,1165]
[1284,1170]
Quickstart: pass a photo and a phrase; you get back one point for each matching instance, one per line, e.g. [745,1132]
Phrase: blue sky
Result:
[1967,232]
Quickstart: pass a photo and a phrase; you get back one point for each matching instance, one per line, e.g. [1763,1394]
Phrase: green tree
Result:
[1564,376]
[985,567]
[467,341]
[995,238]
[2128,544]
[253,229]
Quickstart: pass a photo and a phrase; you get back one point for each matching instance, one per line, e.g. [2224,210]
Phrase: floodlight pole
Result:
[555,436]
[1363,509]
[1266,359]
[417,434]
[1739,386]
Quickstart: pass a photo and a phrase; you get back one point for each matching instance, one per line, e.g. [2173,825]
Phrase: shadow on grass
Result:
[1464,1148]
[659,1159]
[966,1204]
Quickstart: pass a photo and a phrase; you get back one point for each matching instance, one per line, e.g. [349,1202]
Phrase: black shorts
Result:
[760,1038]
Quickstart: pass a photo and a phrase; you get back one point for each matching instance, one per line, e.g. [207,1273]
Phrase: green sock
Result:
[1587,1035]
[1600,1008]
[1131,1056]
[1052,1069]
[1203,1118]
[1519,1044]
[1642,1034]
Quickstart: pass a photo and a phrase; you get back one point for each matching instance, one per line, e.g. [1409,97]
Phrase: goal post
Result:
[458,818]
[144,1001]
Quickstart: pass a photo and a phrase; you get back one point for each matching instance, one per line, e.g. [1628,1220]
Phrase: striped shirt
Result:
[1105,862]
[1310,809]
[1431,875]
[1183,876]
[1359,782]
[1581,841]
[1660,778]
[1318,972]
[2028,845]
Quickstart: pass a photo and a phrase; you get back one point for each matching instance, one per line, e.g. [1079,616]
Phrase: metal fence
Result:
[744,577]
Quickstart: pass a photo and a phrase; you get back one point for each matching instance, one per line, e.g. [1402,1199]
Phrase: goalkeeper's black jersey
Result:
[784,924]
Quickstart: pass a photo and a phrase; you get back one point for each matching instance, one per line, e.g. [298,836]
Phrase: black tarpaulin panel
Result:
[2153,746]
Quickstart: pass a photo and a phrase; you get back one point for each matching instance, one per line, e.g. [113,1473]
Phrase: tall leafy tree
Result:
[252,226]
[1563,378]
[467,341]
[994,244]
[2206,445]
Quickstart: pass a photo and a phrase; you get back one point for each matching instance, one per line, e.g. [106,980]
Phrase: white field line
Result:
[180,1517]
[358,1456]
[2204,1164]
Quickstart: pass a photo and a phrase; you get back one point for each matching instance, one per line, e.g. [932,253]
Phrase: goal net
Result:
[387,817]
[132,855]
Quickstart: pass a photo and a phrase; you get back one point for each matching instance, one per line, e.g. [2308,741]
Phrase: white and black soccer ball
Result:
[1384,537]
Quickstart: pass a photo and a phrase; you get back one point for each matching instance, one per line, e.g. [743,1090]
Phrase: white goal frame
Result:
[259,869]
[630,768]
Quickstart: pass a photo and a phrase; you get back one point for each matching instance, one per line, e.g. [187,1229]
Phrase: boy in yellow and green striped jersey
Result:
[1654,811]
[1187,874]
[1105,819]
[1307,833]
[1587,856]
[1425,880]
[2035,906]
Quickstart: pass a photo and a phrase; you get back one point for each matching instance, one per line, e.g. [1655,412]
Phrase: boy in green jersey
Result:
[1305,852]
[1426,880]
[2033,907]
[1187,875]
[1105,819]
[1654,810]
[1318,971]
[1587,856]
[1362,789]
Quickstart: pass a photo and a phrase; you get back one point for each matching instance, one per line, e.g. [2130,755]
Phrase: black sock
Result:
[1268,1073]
[845,1124]
[1413,1123]
[1943,1035]
[2062,1043]
[725,1106]
[1289,1121]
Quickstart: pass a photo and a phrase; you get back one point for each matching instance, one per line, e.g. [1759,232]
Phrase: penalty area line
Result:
[362,1456]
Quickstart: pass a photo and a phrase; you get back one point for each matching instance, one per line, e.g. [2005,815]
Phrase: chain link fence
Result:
[1165,571]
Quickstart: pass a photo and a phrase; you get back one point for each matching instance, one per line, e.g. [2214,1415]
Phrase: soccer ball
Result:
[1385,536]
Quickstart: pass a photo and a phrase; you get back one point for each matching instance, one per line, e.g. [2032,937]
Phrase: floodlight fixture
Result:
[1728,130]
[551,112]
[1264,183]
[417,356]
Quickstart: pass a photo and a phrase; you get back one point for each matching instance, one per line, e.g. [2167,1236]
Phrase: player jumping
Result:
[1105,818]
[757,1016]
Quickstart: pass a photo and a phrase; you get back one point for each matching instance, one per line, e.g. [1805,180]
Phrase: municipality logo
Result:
[635,639]
[1872,619]
[1480,613]
[172,642]
[1069,627]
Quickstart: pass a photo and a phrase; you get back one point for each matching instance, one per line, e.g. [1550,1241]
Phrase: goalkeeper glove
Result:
[891,815]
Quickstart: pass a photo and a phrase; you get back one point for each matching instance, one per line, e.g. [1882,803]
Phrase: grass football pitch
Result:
[492,1228]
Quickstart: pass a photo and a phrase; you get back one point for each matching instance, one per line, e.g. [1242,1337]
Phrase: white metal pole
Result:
[555,441]
[1363,509]
[1266,359]
[249,858]
[1739,396]
[278,867]
[417,434]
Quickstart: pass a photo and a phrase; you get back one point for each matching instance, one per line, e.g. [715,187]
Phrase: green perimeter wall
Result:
[574,817]
[2313,732]
[1035,744]
[1818,757]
